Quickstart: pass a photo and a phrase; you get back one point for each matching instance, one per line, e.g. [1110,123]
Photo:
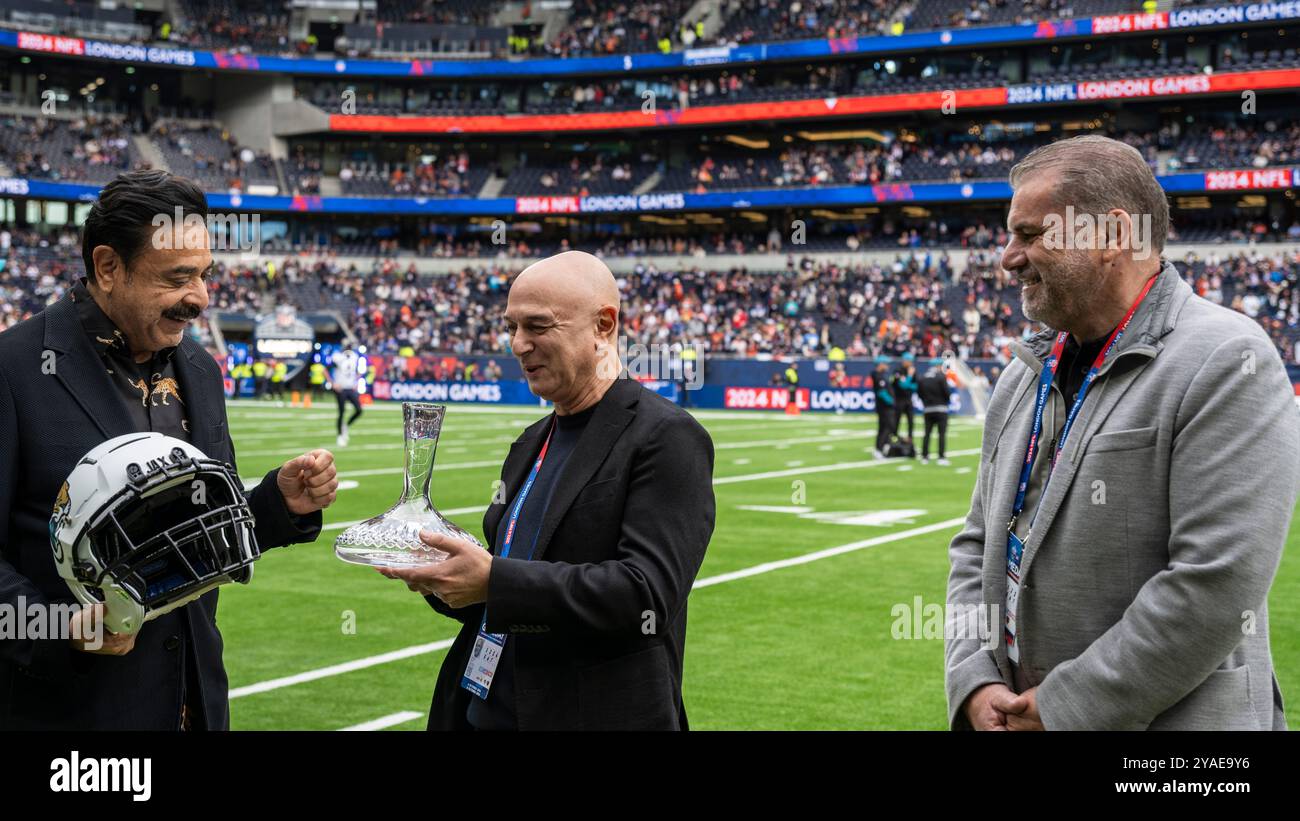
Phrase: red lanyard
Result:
[1044,386]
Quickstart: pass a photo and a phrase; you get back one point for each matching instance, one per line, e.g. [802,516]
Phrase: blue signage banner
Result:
[538,67]
[507,392]
[986,191]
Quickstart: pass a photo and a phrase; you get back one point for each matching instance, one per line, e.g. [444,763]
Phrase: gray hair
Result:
[1098,174]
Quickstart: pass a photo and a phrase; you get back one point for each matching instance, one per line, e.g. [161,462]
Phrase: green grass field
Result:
[756,640]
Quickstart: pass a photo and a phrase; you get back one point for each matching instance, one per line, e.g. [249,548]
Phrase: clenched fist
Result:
[309,482]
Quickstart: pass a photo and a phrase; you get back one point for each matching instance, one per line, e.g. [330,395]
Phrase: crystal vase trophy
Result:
[393,538]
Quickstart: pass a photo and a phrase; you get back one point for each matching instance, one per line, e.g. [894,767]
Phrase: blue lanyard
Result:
[523,494]
[1044,386]
[514,516]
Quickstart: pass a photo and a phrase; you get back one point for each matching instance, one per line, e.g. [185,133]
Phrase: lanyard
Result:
[489,647]
[523,494]
[519,506]
[1045,385]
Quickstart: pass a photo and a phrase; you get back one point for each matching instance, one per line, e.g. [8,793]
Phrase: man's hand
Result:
[458,581]
[88,623]
[309,482]
[982,706]
[1021,711]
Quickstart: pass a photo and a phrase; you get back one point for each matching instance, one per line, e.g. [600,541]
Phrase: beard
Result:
[1056,294]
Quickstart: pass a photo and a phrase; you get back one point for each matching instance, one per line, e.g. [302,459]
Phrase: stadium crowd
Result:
[95,149]
[588,27]
[919,303]
[732,85]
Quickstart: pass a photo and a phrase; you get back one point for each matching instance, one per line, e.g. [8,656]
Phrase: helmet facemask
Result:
[179,527]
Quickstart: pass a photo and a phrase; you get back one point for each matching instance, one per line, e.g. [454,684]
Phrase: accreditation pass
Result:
[483,662]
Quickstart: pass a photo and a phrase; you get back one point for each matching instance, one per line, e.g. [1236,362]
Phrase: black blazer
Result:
[48,421]
[598,617]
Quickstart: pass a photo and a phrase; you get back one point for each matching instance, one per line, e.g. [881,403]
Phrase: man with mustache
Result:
[1139,470]
[112,358]
[576,617]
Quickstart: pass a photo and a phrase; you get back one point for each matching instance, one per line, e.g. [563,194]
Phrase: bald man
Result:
[575,618]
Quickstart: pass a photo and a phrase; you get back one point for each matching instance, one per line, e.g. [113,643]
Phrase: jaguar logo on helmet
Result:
[130,530]
[58,520]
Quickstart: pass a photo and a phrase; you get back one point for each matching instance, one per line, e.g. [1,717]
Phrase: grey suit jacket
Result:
[1146,574]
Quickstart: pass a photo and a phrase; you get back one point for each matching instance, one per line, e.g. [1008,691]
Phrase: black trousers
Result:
[885,422]
[343,398]
[935,420]
[904,411]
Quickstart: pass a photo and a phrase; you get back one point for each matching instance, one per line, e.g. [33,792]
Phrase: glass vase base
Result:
[378,557]
[393,538]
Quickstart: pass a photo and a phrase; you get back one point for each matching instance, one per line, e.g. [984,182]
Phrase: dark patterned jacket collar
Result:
[105,337]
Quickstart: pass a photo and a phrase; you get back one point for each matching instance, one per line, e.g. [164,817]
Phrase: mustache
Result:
[181,312]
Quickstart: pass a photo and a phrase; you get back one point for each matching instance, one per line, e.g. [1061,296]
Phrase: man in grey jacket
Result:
[1130,591]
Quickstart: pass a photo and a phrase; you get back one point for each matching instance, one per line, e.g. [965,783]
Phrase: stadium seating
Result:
[760,21]
[243,25]
[89,150]
[212,157]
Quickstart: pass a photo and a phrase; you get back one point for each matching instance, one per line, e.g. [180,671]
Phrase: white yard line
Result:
[722,480]
[801,471]
[754,443]
[766,567]
[803,440]
[384,722]
[251,482]
[340,669]
[392,427]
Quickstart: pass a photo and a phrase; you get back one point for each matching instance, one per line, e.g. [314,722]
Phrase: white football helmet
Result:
[147,523]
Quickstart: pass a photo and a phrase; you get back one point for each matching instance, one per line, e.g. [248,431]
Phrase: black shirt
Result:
[153,401]
[1076,359]
[497,711]
[148,389]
